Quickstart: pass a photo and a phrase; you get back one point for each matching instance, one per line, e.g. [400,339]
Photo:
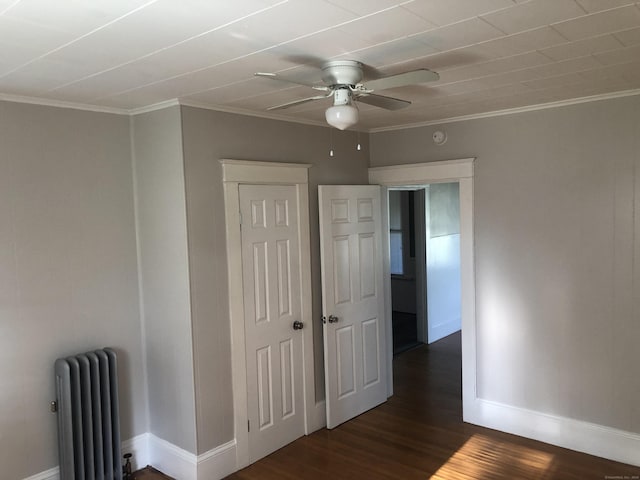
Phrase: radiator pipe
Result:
[126,468]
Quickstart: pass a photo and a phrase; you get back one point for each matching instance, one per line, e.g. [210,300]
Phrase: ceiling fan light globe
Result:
[341,116]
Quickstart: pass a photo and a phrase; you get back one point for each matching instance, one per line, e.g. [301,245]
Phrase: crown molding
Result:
[249,113]
[512,111]
[152,108]
[47,102]
[272,116]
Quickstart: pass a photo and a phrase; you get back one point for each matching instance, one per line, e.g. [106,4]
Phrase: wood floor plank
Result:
[419,434]
[149,473]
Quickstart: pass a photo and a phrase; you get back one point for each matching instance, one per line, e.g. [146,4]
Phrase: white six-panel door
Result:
[353,300]
[271,281]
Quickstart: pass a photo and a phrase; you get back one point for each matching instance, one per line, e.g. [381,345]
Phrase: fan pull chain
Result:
[331,142]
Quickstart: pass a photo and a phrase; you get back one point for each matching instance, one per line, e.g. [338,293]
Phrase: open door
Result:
[352,300]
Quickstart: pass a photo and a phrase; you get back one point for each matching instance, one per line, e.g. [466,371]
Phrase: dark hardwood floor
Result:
[149,473]
[419,434]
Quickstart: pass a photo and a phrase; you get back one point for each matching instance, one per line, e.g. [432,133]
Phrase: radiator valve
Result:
[126,468]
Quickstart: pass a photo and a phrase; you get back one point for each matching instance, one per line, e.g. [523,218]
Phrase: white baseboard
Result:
[217,463]
[139,448]
[147,449]
[172,460]
[51,474]
[178,463]
[577,435]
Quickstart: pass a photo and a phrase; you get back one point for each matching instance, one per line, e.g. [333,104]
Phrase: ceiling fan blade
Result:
[403,79]
[304,59]
[298,102]
[388,103]
[279,78]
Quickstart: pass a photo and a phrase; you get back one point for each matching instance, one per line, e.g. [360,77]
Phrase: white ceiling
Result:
[491,54]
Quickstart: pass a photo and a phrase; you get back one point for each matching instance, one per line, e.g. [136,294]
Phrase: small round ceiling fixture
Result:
[439,137]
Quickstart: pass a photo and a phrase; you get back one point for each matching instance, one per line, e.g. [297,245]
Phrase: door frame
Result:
[234,173]
[461,171]
[422,319]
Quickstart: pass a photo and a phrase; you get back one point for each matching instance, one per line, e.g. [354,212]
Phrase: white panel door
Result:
[271,281]
[353,300]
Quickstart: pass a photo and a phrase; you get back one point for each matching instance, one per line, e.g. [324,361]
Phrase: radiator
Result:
[88,418]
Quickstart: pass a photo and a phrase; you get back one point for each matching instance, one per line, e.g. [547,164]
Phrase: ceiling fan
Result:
[342,80]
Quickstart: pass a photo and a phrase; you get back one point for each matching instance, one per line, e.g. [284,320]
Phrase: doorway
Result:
[406,248]
[417,175]
[424,244]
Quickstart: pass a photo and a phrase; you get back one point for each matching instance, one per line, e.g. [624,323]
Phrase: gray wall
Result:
[68,276]
[444,209]
[557,249]
[556,196]
[164,272]
[209,136]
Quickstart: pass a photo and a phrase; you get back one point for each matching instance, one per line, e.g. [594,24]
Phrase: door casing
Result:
[419,174]
[234,173]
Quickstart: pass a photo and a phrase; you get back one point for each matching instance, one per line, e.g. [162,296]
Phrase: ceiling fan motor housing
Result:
[342,72]
[342,96]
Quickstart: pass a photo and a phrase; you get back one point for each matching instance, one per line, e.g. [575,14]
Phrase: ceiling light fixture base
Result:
[343,114]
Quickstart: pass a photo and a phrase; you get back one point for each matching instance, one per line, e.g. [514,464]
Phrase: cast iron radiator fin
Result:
[88,417]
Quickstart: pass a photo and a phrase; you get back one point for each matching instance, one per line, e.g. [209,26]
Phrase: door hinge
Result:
[248,426]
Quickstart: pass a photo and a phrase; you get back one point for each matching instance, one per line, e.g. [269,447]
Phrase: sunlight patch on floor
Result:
[484,458]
